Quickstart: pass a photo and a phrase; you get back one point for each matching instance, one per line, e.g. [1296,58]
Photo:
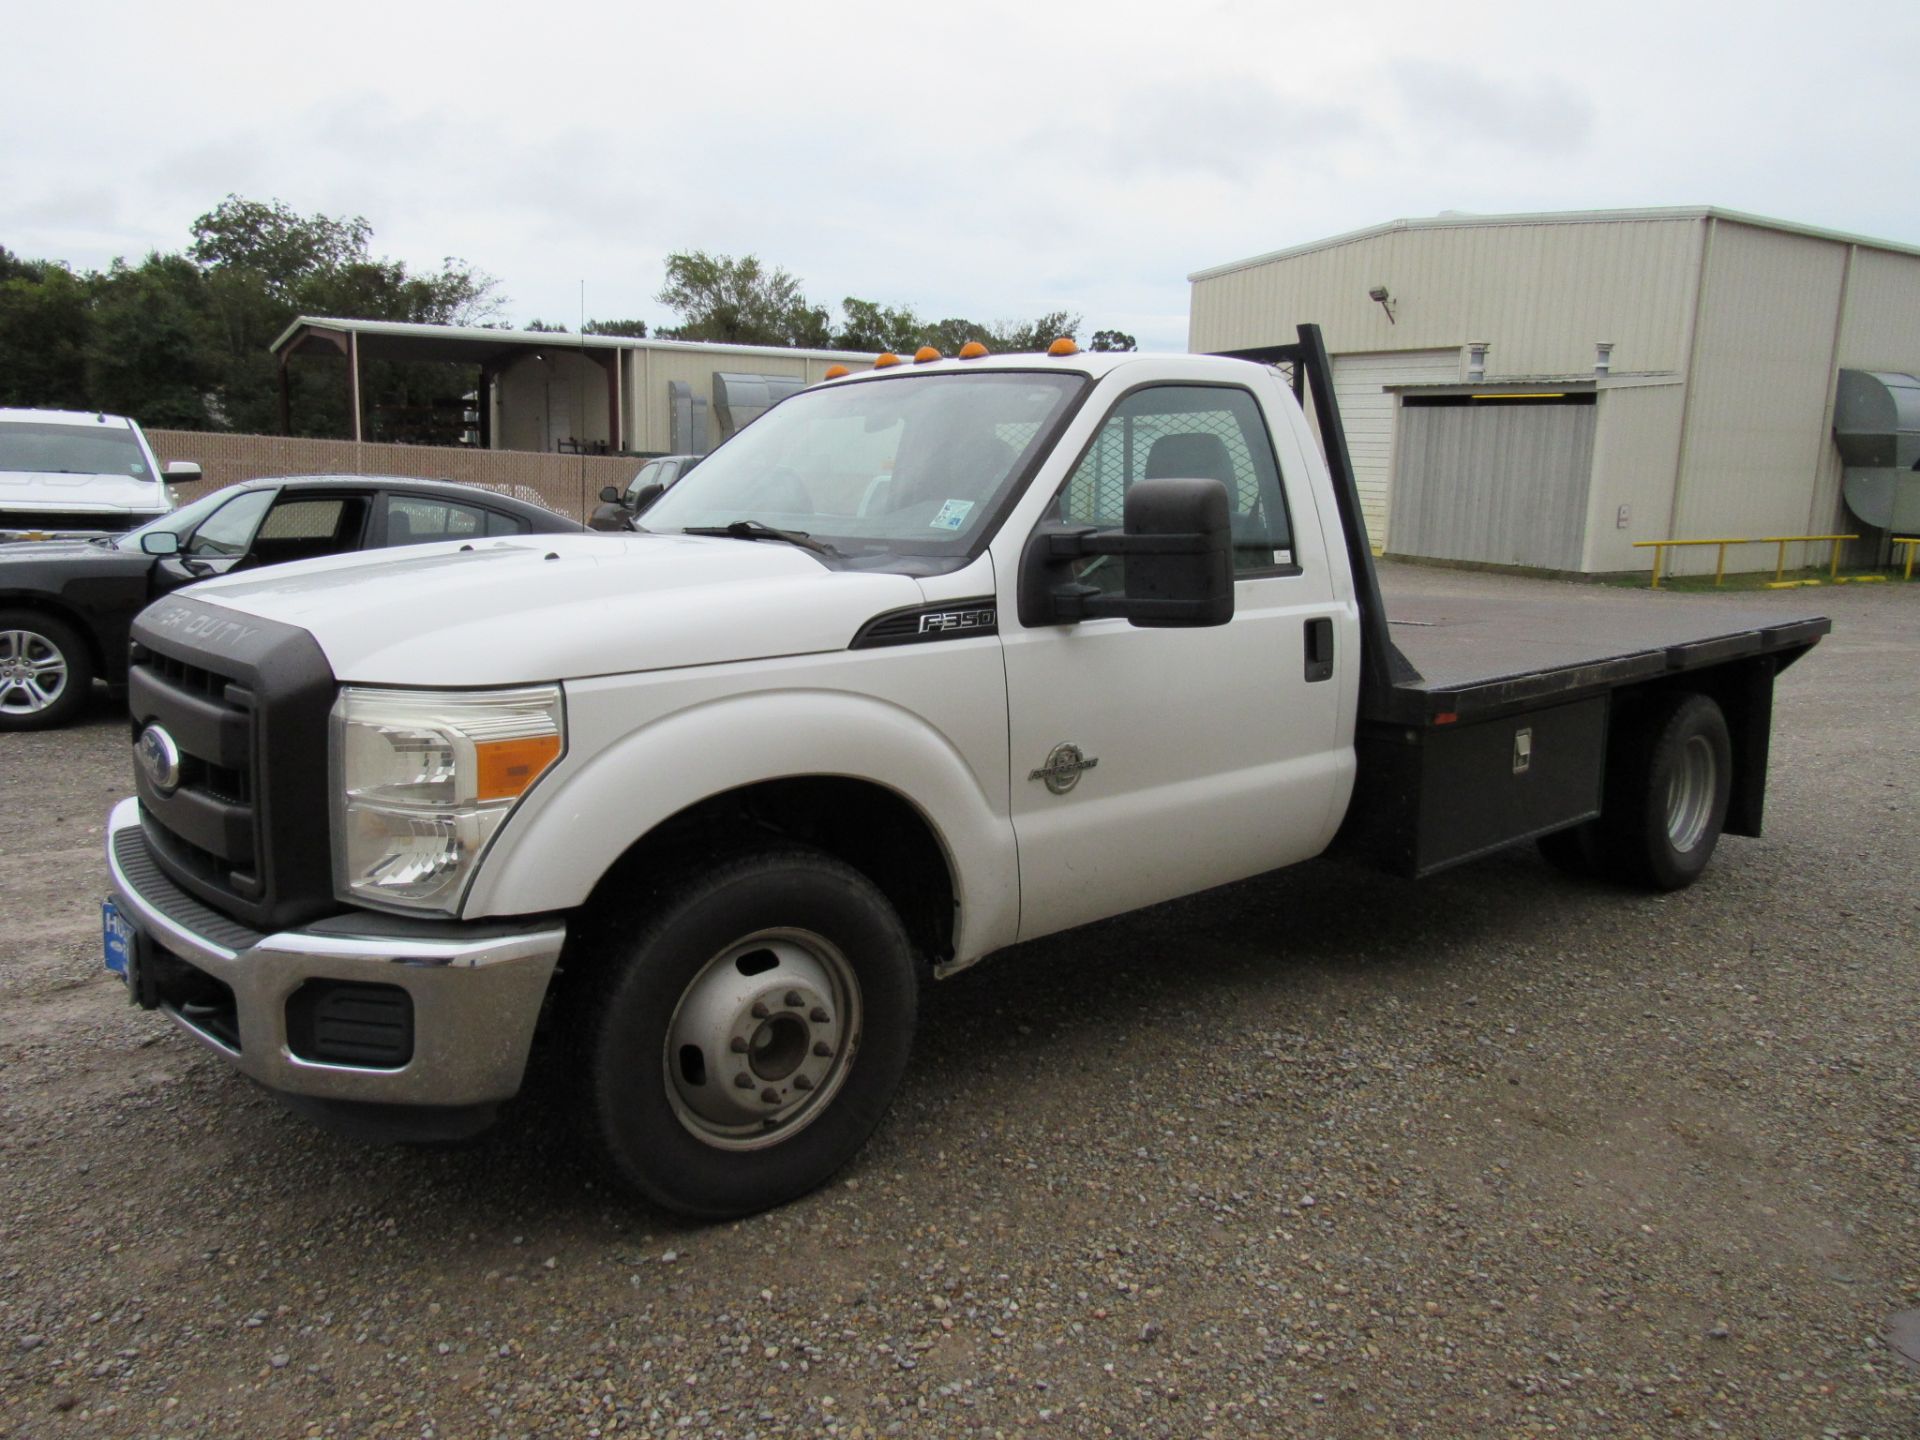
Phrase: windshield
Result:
[71,450]
[914,465]
[179,521]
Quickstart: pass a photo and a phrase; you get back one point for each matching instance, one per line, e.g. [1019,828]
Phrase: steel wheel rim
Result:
[1690,793]
[762,1039]
[33,672]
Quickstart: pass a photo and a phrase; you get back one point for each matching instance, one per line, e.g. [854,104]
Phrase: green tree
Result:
[1112,340]
[147,348]
[738,302]
[43,334]
[631,329]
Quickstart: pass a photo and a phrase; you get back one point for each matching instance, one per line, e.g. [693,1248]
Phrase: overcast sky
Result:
[992,161]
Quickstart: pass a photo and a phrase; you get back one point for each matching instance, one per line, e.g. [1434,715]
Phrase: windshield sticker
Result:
[952,515]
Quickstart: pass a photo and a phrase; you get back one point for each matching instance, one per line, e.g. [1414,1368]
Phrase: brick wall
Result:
[569,484]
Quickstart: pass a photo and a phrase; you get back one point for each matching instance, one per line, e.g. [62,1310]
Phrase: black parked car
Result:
[65,606]
[619,508]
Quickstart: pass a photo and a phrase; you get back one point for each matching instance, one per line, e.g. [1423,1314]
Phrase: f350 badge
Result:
[1063,768]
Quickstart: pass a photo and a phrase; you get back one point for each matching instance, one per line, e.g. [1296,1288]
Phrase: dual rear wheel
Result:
[1669,776]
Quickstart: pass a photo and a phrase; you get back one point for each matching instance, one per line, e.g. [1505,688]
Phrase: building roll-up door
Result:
[1367,409]
[1501,483]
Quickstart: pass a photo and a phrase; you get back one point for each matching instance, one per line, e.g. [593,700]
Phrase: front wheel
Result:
[743,1039]
[45,671]
[1667,788]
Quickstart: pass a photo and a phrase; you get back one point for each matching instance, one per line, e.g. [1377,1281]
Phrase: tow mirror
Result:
[160,542]
[1177,543]
[646,495]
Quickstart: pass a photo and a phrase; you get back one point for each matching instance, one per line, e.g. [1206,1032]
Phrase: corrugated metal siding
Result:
[1756,418]
[649,371]
[1543,295]
[1635,449]
[1881,327]
[1367,410]
[1498,485]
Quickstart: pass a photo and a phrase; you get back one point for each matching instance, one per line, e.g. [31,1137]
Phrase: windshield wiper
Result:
[754,530]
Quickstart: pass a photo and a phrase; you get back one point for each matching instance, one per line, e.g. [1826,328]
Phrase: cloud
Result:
[1449,102]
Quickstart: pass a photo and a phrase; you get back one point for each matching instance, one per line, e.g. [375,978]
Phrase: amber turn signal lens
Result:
[834,372]
[508,767]
[1063,346]
[972,350]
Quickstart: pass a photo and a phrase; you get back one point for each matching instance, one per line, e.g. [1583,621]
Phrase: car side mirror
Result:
[646,495]
[1177,541]
[160,542]
[182,470]
[609,494]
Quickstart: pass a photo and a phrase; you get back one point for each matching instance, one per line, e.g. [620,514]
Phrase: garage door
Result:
[1368,408]
[1501,484]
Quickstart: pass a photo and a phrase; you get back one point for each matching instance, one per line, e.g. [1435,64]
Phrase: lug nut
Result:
[760,1011]
[800,1082]
[739,1045]
[743,1082]
[818,1015]
[796,999]
[822,1049]
[770,1095]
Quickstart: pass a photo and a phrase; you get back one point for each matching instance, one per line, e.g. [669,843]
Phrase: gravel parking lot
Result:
[1321,1154]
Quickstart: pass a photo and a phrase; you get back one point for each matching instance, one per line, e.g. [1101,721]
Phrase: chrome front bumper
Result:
[475,1000]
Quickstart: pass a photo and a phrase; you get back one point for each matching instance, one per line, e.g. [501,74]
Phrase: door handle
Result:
[1319,649]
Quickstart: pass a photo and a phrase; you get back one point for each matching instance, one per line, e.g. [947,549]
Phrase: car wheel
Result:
[1669,779]
[742,1037]
[46,671]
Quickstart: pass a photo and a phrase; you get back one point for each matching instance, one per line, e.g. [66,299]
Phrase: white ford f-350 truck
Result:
[924,662]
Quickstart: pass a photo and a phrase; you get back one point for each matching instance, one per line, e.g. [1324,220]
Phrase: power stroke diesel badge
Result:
[1063,769]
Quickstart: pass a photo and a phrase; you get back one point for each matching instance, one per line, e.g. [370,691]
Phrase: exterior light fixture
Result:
[1378,294]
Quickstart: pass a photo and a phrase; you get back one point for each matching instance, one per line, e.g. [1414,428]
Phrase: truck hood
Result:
[37,490]
[561,607]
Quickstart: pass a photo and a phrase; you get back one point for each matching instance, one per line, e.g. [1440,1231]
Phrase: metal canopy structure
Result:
[492,351]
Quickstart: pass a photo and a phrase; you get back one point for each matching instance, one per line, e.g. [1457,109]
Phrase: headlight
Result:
[421,781]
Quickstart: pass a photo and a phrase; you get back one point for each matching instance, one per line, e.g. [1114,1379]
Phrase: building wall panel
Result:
[1756,425]
[1543,294]
[1636,446]
[1368,410]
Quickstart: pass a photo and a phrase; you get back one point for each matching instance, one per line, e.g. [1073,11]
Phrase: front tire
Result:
[1667,791]
[46,671]
[743,1038]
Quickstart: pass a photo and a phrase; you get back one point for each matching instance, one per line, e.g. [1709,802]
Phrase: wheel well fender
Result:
[853,775]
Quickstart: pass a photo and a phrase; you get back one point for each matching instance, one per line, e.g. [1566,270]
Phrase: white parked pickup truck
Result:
[925,662]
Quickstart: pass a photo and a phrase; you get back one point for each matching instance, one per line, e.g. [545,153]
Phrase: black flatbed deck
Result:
[1480,655]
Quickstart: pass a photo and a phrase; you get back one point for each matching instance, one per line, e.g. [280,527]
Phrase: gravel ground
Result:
[1321,1154]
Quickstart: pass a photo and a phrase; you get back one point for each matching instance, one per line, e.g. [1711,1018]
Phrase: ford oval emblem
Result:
[160,758]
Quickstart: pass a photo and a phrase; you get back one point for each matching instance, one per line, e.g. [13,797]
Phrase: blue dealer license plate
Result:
[116,933]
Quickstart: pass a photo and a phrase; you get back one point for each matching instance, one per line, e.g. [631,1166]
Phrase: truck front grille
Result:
[244,702]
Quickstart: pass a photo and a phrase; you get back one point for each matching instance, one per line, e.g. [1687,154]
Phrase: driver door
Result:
[1198,755]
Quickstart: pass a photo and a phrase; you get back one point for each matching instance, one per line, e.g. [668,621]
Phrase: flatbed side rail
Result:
[1381,663]
[1660,548]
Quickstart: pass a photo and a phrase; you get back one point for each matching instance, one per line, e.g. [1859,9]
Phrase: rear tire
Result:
[1669,777]
[46,671]
[744,1034]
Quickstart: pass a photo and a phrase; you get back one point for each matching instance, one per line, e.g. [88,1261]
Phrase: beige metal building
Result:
[1545,390]
[584,394]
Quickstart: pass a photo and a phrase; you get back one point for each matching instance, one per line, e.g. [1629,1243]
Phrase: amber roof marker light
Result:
[924,354]
[883,361]
[834,372]
[972,350]
[1063,346]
